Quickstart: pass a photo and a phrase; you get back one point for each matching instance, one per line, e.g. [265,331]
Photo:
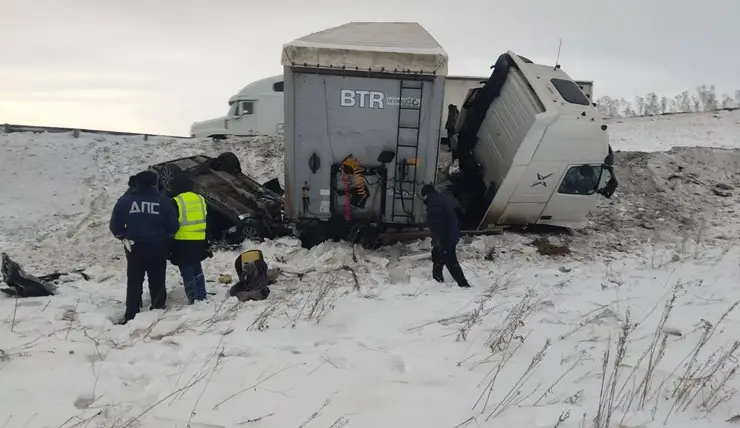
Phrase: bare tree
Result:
[727,101]
[663,105]
[683,102]
[626,108]
[640,106]
[703,98]
[608,107]
[652,104]
[706,97]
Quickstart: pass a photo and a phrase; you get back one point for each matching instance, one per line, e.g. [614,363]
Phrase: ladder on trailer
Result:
[407,150]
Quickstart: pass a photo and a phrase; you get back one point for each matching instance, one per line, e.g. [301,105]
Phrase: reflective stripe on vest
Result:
[191,209]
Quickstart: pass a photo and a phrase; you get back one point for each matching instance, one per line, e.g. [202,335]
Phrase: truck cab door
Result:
[245,121]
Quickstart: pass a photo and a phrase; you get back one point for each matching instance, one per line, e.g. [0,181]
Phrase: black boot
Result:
[455,270]
[459,277]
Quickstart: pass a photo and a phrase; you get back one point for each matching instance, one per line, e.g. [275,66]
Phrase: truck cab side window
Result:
[246,108]
[278,87]
[584,92]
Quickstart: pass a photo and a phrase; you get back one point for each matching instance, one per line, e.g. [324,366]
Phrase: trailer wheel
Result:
[312,235]
[228,162]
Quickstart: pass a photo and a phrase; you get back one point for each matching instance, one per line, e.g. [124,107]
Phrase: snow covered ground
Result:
[524,347]
[717,129]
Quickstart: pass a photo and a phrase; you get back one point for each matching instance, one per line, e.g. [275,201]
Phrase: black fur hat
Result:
[147,178]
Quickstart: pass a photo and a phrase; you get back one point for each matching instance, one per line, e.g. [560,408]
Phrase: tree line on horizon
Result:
[702,98]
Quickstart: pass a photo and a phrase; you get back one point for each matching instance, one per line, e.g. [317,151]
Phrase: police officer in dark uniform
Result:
[144,220]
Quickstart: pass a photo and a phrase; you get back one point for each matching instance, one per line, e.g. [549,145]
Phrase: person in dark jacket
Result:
[452,114]
[445,229]
[190,245]
[144,220]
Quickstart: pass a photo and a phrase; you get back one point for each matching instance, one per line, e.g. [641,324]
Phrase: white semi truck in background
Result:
[255,110]
[258,108]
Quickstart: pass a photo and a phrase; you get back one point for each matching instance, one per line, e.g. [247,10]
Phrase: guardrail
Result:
[11,128]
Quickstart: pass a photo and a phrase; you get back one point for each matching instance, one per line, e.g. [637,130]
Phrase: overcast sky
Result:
[158,65]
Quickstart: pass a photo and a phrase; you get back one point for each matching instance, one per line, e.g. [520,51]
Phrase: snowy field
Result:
[635,327]
[663,132]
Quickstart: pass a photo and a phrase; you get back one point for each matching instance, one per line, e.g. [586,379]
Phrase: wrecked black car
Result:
[239,208]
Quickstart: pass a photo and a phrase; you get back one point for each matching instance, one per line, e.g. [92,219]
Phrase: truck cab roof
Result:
[268,85]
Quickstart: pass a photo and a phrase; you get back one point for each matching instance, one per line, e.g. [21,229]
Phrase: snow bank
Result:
[677,179]
[686,193]
[648,134]
[523,347]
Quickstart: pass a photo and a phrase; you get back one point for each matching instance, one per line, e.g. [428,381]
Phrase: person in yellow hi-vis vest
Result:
[190,245]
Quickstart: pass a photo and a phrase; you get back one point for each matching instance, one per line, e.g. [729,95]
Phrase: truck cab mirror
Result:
[386,156]
[609,180]
[609,159]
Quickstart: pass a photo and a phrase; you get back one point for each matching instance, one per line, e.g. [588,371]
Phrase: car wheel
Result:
[166,175]
[250,232]
[228,162]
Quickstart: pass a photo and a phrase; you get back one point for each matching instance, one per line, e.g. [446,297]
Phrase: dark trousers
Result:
[194,280]
[148,260]
[450,133]
[447,257]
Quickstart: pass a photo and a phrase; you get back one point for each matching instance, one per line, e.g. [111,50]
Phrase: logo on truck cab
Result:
[374,99]
[541,180]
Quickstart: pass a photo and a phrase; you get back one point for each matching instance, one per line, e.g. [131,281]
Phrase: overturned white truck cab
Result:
[532,149]
[363,106]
